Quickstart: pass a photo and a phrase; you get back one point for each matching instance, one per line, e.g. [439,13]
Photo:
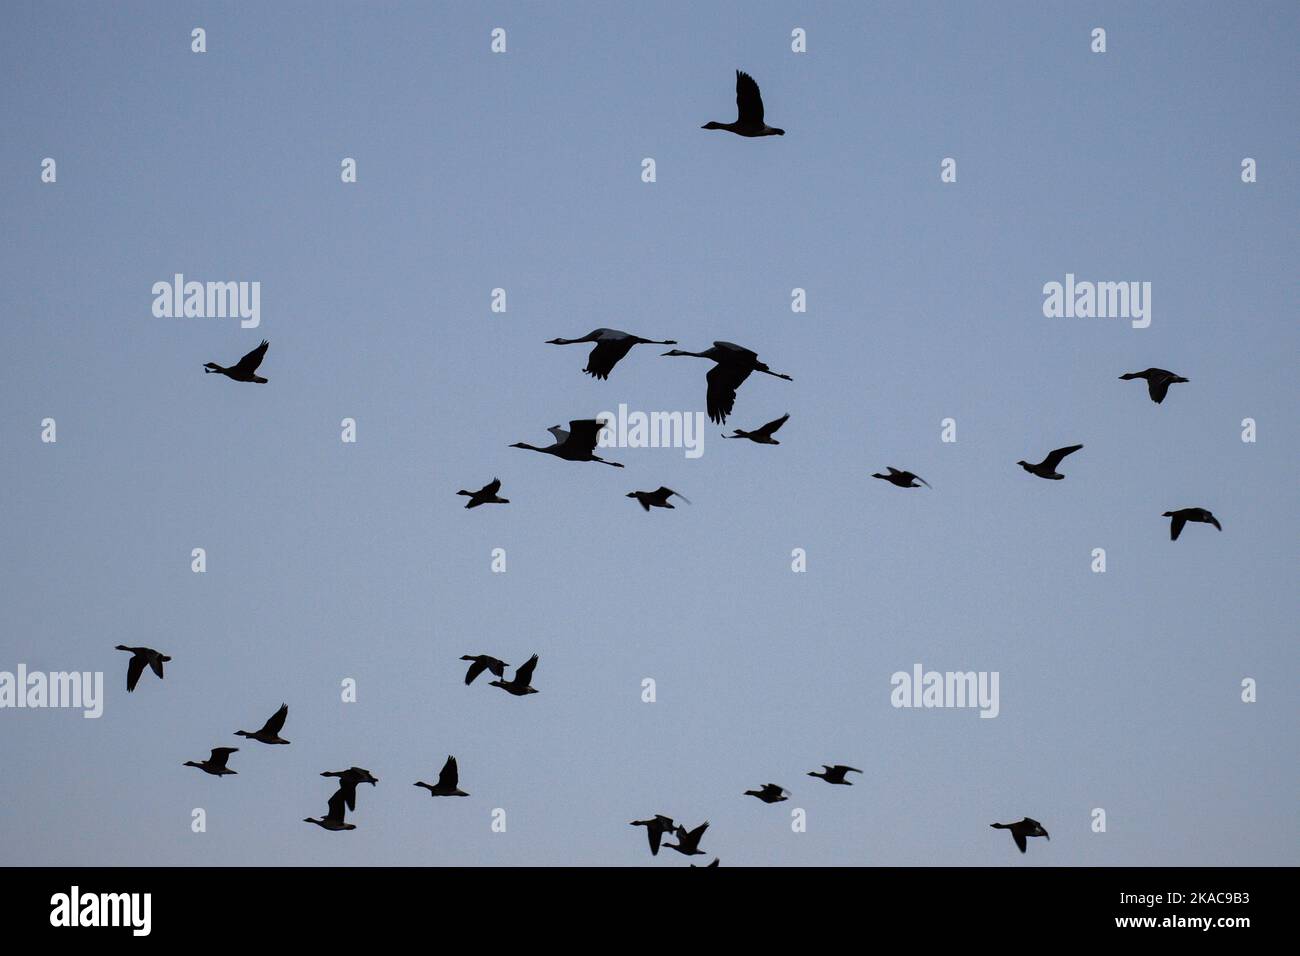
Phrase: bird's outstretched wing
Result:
[1215,521]
[1176,527]
[655,833]
[220,755]
[1158,388]
[773,426]
[336,802]
[583,434]
[449,775]
[749,102]
[723,380]
[276,723]
[478,666]
[492,487]
[347,792]
[606,355]
[253,359]
[156,662]
[524,672]
[134,668]
[1054,459]
[668,493]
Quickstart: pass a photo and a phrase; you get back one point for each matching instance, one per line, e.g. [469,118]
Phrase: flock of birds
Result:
[732,366]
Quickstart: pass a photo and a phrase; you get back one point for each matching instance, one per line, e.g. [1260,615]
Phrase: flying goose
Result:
[140,656]
[656,499]
[448,778]
[270,732]
[762,436]
[688,841]
[904,479]
[577,445]
[348,780]
[611,346]
[215,764]
[1021,829]
[734,365]
[245,369]
[655,828]
[835,774]
[519,684]
[487,495]
[481,663]
[770,793]
[1184,515]
[749,110]
[333,820]
[1158,381]
[1047,467]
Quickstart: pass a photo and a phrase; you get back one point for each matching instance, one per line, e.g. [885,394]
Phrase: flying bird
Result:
[655,828]
[749,110]
[762,436]
[1021,829]
[519,684]
[245,369]
[333,820]
[1047,467]
[215,764]
[1184,515]
[688,841]
[734,365]
[487,495]
[611,346]
[481,663]
[348,780]
[140,656]
[577,445]
[270,732]
[904,479]
[770,793]
[448,778]
[835,774]
[1158,381]
[656,499]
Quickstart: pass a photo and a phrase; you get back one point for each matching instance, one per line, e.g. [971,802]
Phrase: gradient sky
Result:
[325,560]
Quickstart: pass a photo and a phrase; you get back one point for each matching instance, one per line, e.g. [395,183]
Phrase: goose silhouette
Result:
[749,111]
[140,658]
[245,369]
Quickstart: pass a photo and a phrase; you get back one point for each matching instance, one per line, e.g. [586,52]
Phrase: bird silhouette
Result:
[1021,829]
[333,820]
[1184,515]
[763,435]
[519,684]
[1158,381]
[487,495]
[577,445]
[448,778]
[734,365]
[481,663]
[348,780]
[656,499]
[245,369]
[749,111]
[270,732]
[611,346]
[835,773]
[140,657]
[904,479]
[1047,467]
[215,764]
[770,793]
[688,841]
[655,828]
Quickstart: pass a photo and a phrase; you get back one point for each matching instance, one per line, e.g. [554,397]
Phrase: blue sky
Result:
[522,171]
